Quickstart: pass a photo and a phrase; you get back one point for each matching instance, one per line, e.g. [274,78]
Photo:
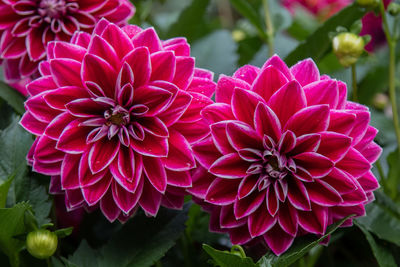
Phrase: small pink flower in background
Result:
[320,8]
[115,113]
[287,154]
[27,26]
[372,25]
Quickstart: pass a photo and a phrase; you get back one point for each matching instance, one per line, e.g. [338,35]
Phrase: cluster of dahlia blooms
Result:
[27,26]
[115,113]
[287,154]
[124,120]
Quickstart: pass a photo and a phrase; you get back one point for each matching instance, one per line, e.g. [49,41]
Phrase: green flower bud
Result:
[394,9]
[41,243]
[348,47]
[380,101]
[368,3]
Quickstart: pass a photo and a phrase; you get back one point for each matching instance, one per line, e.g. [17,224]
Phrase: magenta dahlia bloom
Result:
[27,26]
[320,8]
[287,154]
[115,113]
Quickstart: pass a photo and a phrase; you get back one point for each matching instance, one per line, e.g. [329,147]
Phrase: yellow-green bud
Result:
[394,9]
[348,47]
[238,35]
[380,101]
[41,243]
[368,3]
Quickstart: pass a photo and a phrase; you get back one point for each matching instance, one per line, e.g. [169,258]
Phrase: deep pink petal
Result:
[227,218]
[278,240]
[354,163]
[334,145]
[269,80]
[247,185]
[368,182]
[247,73]
[162,66]
[342,182]
[306,143]
[287,219]
[118,39]
[246,206]
[260,221]
[149,39]
[220,139]
[179,178]
[317,164]
[93,193]
[139,61]
[73,138]
[180,155]
[125,200]
[205,152]
[314,221]
[222,191]
[323,194]
[99,71]
[305,72]
[151,145]
[60,97]
[266,122]
[312,119]
[341,121]
[287,101]
[217,112]
[244,103]
[66,72]
[69,172]
[230,166]
[198,103]
[280,65]
[184,72]
[226,86]
[151,199]
[298,195]
[108,207]
[155,172]
[101,48]
[240,136]
[322,92]
[102,153]
[31,124]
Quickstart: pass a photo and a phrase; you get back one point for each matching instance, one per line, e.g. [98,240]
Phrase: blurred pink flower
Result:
[287,154]
[323,9]
[115,113]
[27,26]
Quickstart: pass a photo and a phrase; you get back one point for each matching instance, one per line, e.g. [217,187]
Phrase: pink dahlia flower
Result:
[115,113]
[320,8]
[287,154]
[27,26]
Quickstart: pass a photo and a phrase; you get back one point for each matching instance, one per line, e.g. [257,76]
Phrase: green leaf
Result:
[142,241]
[319,43]
[14,143]
[393,177]
[11,224]
[228,259]
[191,22]
[298,250]
[4,187]
[85,256]
[216,52]
[381,253]
[12,97]
[39,199]
[247,11]
[64,232]
[383,219]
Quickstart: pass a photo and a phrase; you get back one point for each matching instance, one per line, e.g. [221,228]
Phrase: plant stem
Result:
[392,69]
[270,28]
[354,79]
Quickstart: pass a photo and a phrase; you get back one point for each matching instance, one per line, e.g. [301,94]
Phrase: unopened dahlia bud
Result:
[348,47]
[394,9]
[368,3]
[380,101]
[41,243]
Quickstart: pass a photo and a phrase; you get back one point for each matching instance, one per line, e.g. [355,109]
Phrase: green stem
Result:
[392,69]
[354,79]
[270,27]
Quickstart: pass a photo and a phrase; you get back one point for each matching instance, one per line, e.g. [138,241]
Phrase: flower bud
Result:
[41,243]
[394,9]
[380,101]
[348,47]
[368,3]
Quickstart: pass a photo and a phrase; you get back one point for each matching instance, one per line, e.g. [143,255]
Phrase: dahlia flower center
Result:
[52,8]
[117,116]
